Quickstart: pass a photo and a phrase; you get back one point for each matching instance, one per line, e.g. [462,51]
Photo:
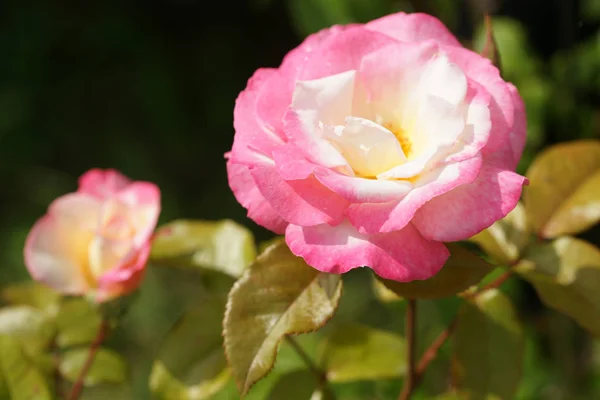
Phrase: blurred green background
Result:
[148,87]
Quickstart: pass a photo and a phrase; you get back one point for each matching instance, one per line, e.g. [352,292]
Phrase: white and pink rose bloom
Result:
[373,144]
[96,241]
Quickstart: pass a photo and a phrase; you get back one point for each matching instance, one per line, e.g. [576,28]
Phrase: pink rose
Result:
[372,144]
[95,241]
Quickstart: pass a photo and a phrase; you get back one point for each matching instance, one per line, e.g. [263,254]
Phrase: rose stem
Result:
[410,379]
[431,353]
[94,347]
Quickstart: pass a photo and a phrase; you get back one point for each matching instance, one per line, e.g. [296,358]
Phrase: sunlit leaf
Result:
[563,195]
[279,295]
[77,322]
[166,386]
[21,375]
[566,274]
[27,324]
[192,355]
[224,246]
[462,270]
[107,367]
[356,352]
[505,239]
[384,294]
[300,385]
[32,294]
[489,348]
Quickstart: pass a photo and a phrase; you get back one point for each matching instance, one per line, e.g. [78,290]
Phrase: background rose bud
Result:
[374,144]
[95,241]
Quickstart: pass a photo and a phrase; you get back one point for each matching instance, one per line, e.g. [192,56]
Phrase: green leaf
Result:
[505,239]
[356,352]
[563,196]
[77,322]
[278,295]
[384,294]
[21,376]
[300,385]
[489,348]
[566,275]
[107,367]
[166,386]
[29,325]
[462,270]
[192,355]
[224,246]
[32,294]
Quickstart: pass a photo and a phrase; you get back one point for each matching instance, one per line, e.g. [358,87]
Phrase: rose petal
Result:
[415,27]
[292,165]
[391,216]
[125,278]
[303,202]
[468,209]
[402,255]
[102,183]
[56,248]
[247,194]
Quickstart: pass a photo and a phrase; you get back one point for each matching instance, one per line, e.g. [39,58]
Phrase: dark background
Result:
[148,87]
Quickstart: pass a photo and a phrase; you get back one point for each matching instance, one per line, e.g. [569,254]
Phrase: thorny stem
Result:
[94,347]
[415,375]
[410,380]
[321,376]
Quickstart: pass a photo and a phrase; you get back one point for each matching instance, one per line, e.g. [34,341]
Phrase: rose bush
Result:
[373,144]
[95,241]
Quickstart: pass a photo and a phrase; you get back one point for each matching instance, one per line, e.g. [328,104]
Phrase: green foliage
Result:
[489,346]
[562,196]
[77,322]
[223,246]
[277,296]
[356,352]
[21,376]
[191,363]
[300,385]
[107,367]
[566,274]
[28,325]
[32,294]
[462,270]
[506,238]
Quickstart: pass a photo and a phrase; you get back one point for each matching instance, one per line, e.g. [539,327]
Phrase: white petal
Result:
[368,147]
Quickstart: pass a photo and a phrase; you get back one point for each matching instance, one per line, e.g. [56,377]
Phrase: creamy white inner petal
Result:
[393,137]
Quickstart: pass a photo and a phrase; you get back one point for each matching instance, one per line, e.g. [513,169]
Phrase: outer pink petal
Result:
[49,266]
[414,27]
[304,202]
[387,217]
[291,165]
[502,103]
[518,134]
[256,114]
[342,52]
[102,183]
[125,278]
[400,255]
[467,210]
[56,248]
[247,194]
